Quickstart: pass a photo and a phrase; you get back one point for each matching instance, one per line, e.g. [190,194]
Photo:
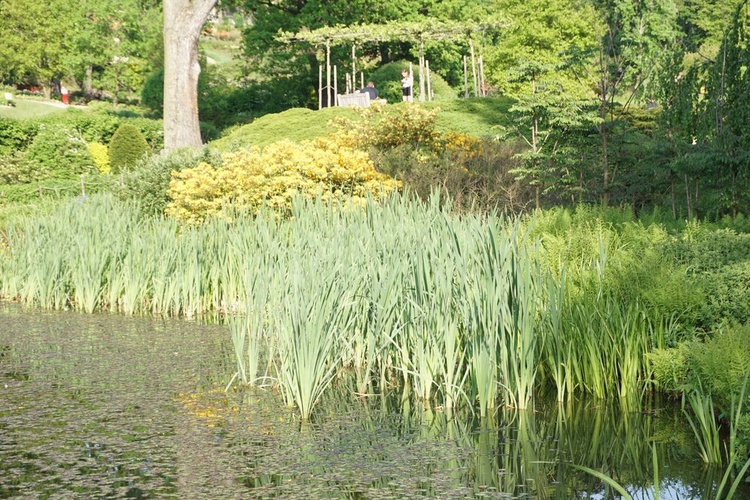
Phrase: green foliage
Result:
[54,189]
[83,34]
[127,147]
[16,135]
[152,93]
[147,183]
[15,169]
[722,362]
[718,263]
[100,125]
[58,152]
[477,117]
[223,104]
[670,368]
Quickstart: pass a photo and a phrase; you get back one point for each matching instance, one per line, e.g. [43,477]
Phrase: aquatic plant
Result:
[407,295]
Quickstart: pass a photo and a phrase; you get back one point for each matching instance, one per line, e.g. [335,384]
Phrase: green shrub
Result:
[126,148]
[152,131]
[716,261]
[721,362]
[100,125]
[148,182]
[726,291]
[92,126]
[15,170]
[670,368]
[16,135]
[60,153]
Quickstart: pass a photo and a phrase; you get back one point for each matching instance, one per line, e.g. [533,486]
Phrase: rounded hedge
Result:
[126,148]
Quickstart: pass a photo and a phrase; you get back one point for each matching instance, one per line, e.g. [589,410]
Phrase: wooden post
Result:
[411,74]
[83,187]
[320,87]
[335,86]
[362,79]
[328,72]
[354,65]
[421,72]
[481,77]
[429,81]
[473,67]
[466,79]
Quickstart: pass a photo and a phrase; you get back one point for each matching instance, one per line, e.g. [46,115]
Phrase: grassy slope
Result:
[29,109]
[477,117]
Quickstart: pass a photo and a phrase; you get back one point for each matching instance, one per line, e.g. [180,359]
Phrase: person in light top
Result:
[407,84]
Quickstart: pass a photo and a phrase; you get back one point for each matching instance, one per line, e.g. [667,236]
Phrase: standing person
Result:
[407,84]
[64,94]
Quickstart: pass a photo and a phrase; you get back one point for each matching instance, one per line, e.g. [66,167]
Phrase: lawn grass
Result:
[222,52]
[296,124]
[478,117]
[29,109]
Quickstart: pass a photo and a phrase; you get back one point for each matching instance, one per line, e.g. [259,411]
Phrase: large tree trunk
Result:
[183,21]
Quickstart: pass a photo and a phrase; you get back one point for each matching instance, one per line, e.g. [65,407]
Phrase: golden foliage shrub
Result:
[249,179]
[100,155]
[384,128]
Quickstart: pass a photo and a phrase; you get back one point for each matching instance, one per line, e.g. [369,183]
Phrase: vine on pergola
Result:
[400,31]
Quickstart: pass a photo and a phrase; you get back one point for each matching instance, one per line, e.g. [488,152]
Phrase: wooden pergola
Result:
[427,30]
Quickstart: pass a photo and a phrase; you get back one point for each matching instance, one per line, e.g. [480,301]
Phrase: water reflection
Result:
[104,405]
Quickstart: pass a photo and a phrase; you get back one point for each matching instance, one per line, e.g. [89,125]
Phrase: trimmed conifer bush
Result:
[126,147]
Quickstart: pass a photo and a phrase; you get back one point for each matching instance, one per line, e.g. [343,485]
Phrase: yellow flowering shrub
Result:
[249,179]
[100,155]
[461,147]
[385,127]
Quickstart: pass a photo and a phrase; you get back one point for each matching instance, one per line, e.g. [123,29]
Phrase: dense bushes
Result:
[148,182]
[126,148]
[274,176]
[59,153]
[404,143]
[57,146]
[16,135]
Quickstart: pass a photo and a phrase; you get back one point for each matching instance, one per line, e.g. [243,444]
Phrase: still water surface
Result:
[112,406]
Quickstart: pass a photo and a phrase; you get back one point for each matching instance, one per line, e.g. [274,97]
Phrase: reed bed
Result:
[410,296]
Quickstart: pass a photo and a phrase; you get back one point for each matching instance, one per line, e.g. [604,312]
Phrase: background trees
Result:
[580,74]
[101,45]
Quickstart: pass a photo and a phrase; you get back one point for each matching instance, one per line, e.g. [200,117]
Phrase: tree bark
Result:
[183,21]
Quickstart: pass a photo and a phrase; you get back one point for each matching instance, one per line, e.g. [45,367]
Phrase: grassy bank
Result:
[475,117]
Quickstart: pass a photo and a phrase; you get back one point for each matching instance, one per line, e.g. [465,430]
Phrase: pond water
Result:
[105,405]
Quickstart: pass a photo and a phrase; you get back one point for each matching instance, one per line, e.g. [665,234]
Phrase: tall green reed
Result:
[446,307]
